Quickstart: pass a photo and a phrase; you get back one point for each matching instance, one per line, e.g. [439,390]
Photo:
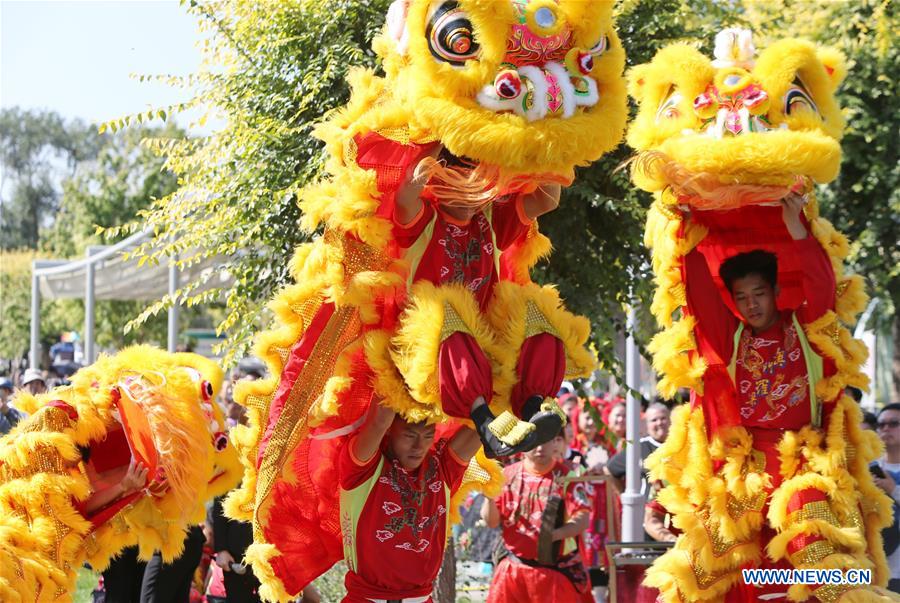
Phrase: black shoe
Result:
[547,418]
[519,435]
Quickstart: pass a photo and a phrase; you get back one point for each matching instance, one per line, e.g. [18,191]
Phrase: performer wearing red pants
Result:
[453,233]
[394,504]
[519,577]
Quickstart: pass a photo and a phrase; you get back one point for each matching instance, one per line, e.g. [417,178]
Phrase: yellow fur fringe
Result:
[42,475]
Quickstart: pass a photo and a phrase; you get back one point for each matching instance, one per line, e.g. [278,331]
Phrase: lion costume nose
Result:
[543,74]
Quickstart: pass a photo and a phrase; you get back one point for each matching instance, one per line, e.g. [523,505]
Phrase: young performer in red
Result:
[767,356]
[519,577]
[766,353]
[394,504]
[452,225]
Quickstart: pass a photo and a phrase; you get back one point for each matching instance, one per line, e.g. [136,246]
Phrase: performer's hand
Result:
[596,457]
[135,478]
[791,206]
[383,415]
[420,181]
[224,560]
[886,483]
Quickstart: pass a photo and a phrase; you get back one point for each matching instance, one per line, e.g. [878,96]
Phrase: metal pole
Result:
[34,355]
[173,309]
[89,297]
[632,499]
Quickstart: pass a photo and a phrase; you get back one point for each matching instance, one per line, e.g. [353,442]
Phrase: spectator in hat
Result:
[33,381]
[9,416]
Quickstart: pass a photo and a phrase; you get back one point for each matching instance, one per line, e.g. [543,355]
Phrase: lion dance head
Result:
[737,119]
[526,85]
[143,404]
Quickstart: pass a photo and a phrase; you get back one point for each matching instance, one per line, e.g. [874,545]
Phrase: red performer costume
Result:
[395,491]
[774,371]
[456,246]
[441,250]
[519,577]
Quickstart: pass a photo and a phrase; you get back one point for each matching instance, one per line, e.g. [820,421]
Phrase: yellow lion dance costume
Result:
[144,403]
[723,141]
[488,99]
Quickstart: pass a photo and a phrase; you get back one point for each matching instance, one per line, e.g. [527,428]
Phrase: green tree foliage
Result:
[37,150]
[80,180]
[110,191]
[273,70]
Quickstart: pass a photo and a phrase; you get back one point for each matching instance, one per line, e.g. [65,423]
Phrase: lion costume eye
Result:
[798,99]
[600,47]
[451,37]
[668,109]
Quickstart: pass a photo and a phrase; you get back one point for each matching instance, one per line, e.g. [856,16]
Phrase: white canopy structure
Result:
[106,274]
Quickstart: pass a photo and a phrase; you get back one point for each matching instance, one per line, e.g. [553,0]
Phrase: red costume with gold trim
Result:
[524,92]
[768,466]
[143,404]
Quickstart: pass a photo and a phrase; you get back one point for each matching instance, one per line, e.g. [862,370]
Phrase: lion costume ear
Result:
[396,24]
[637,79]
[835,65]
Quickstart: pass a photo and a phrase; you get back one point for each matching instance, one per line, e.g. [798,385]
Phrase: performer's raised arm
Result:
[465,443]
[818,275]
[715,322]
[542,200]
[365,445]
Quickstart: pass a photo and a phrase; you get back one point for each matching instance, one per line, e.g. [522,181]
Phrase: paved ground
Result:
[472,581]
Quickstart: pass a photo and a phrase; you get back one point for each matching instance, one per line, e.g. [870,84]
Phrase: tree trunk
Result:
[445,584]
[895,368]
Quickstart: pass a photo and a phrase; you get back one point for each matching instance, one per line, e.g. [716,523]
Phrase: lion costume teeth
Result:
[45,536]
[724,141]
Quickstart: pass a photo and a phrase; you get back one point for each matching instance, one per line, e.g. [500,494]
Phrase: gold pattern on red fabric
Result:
[812,554]
[453,323]
[830,593]
[342,329]
[536,323]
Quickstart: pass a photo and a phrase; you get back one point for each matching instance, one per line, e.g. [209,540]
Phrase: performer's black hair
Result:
[758,261]
[891,406]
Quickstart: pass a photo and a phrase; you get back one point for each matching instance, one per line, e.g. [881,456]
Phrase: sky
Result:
[75,57]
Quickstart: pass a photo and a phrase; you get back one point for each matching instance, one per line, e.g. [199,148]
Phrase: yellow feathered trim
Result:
[483,475]
[271,588]
[851,298]
[802,592]
[424,325]
[666,463]
[358,193]
[517,312]
[685,463]
[672,359]
[389,384]
[673,574]
[524,257]
[862,594]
